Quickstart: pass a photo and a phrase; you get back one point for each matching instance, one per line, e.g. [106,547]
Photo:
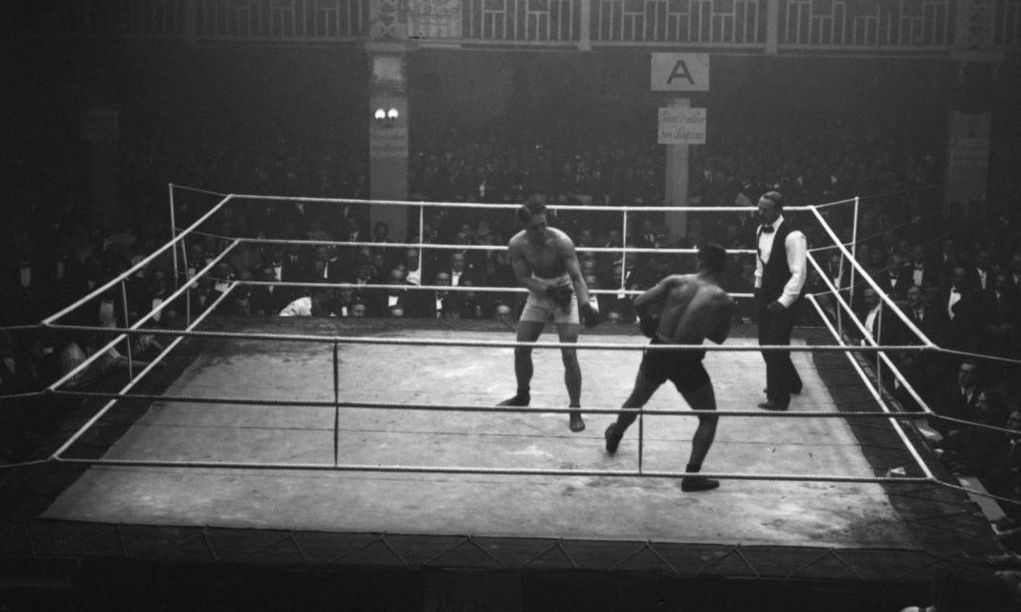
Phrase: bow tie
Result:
[767,229]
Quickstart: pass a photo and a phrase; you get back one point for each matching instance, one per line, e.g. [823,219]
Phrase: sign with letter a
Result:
[680,72]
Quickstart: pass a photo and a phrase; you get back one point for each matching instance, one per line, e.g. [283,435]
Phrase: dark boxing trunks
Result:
[683,368]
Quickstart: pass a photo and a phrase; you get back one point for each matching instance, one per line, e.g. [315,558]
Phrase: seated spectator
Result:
[447,304]
[410,302]
[81,346]
[998,314]
[1004,477]
[974,450]
[316,305]
[877,319]
[894,279]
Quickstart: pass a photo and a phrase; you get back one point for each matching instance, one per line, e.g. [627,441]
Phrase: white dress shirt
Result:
[414,277]
[918,275]
[870,323]
[301,307]
[797,257]
[955,296]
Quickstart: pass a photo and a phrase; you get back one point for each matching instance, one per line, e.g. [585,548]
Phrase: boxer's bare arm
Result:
[722,311]
[655,294]
[570,257]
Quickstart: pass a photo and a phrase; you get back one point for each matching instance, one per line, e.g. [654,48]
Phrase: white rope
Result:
[500,206]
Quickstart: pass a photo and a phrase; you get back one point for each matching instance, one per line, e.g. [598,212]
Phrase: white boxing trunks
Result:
[539,307]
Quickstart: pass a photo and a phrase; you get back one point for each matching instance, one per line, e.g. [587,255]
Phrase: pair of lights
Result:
[383,115]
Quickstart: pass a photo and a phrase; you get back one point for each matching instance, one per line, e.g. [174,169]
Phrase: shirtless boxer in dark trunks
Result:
[692,307]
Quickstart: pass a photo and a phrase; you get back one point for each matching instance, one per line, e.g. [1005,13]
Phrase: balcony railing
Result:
[928,26]
[867,24]
[251,20]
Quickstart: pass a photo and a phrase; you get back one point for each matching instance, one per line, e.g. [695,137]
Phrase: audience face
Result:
[982,260]
[443,279]
[358,310]
[871,298]
[958,276]
[914,297]
[1003,282]
[411,258]
[457,262]
[967,375]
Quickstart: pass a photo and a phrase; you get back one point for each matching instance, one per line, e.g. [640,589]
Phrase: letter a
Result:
[680,71]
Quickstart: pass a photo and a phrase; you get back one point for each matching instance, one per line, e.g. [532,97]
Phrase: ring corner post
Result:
[336,406]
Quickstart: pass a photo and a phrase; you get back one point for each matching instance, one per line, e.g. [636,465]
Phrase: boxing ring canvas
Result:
[746,512]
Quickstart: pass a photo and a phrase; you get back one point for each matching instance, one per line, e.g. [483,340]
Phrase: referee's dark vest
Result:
[775,272]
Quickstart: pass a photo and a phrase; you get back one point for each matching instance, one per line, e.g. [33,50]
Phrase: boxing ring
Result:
[378,443]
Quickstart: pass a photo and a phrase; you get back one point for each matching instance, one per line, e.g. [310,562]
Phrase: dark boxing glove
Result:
[561,295]
[649,324]
[590,315]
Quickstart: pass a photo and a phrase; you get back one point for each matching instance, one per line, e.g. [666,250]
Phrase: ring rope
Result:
[496,343]
[472,408]
[467,247]
[440,288]
[501,206]
[197,190]
[403,469]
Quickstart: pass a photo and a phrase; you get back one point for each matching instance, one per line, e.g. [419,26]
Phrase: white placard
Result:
[680,72]
[681,125]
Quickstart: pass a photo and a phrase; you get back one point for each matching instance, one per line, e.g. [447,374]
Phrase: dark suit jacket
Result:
[894,282]
[932,323]
[886,326]
[929,275]
[997,321]
[269,303]
[950,403]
